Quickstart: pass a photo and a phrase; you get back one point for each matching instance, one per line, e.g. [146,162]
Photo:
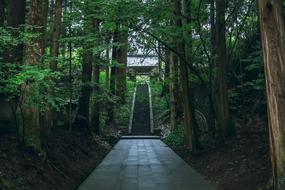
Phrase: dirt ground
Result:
[242,164]
[72,156]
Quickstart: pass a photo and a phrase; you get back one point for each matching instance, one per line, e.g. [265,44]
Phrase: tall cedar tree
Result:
[15,18]
[95,119]
[2,12]
[83,114]
[28,111]
[121,77]
[220,88]
[113,77]
[186,95]
[273,44]
[56,29]
[54,51]
[172,61]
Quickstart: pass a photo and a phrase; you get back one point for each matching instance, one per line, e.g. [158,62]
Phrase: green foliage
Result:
[123,111]
[159,103]
[18,75]
[176,137]
[248,95]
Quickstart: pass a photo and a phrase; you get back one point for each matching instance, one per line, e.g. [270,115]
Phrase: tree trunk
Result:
[159,62]
[220,89]
[2,12]
[48,116]
[113,78]
[56,29]
[121,77]
[107,68]
[273,44]
[211,97]
[28,111]
[173,89]
[16,13]
[108,61]
[96,80]
[44,9]
[83,114]
[166,77]
[15,18]
[186,94]
[2,20]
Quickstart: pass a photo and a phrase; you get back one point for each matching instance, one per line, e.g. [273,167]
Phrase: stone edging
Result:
[132,111]
[150,110]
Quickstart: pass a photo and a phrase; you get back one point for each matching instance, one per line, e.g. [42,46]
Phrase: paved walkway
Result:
[144,164]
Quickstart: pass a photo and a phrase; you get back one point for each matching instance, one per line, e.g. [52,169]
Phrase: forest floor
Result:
[242,164]
[72,156]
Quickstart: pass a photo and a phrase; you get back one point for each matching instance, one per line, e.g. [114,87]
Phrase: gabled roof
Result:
[142,60]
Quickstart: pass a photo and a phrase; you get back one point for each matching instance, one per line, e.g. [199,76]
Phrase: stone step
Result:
[139,137]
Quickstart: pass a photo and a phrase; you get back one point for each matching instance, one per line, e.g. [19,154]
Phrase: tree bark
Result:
[2,12]
[48,116]
[121,77]
[56,29]
[113,77]
[44,9]
[273,45]
[83,114]
[15,18]
[96,80]
[28,111]
[220,89]
[108,60]
[166,77]
[107,68]
[173,89]
[2,19]
[186,94]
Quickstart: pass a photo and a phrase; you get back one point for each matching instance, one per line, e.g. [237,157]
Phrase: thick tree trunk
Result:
[83,114]
[2,19]
[16,13]
[15,18]
[121,77]
[2,12]
[56,29]
[44,11]
[211,97]
[173,89]
[273,44]
[220,89]
[113,78]
[186,95]
[28,111]
[96,106]
[95,119]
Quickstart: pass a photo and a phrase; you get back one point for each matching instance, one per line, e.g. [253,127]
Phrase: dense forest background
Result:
[66,93]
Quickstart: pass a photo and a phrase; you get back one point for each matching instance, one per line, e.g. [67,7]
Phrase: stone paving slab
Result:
[140,137]
[144,164]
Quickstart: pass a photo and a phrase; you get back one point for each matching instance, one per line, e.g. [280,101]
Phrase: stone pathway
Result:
[144,164]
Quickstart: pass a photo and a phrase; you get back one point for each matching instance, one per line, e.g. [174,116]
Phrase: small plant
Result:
[176,137]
